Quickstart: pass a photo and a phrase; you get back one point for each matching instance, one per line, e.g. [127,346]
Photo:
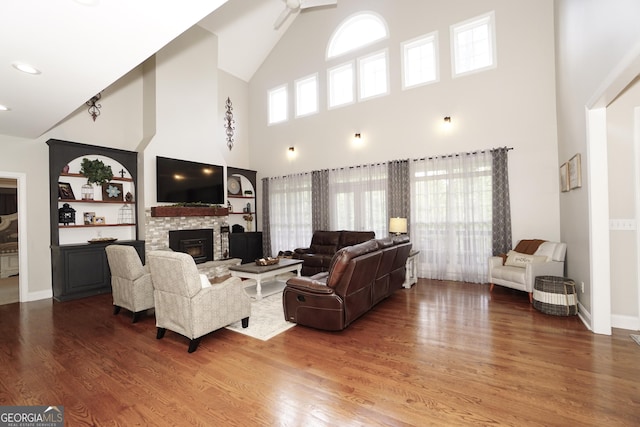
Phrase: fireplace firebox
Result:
[197,243]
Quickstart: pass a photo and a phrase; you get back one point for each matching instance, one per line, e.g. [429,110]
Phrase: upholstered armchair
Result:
[530,258]
[188,304]
[130,281]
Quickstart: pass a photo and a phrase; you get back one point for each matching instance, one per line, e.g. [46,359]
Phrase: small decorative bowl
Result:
[267,261]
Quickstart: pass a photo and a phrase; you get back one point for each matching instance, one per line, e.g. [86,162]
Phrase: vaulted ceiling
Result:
[80,47]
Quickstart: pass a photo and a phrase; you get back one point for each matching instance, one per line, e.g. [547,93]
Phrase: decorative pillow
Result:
[516,259]
[204,281]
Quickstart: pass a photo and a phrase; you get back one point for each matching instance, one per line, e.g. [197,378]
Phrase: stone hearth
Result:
[157,238]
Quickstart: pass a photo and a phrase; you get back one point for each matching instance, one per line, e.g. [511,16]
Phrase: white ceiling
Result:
[82,49]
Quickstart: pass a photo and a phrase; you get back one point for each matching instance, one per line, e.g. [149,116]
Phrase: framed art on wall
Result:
[564,177]
[575,172]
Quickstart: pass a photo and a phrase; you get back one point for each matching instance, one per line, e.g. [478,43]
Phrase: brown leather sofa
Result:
[324,244]
[359,277]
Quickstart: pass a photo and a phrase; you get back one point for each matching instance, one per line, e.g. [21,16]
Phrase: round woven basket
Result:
[555,295]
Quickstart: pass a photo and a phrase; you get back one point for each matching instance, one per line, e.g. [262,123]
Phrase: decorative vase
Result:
[249,225]
[87,192]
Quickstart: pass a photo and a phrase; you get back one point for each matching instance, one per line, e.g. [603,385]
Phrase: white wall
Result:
[512,105]
[622,207]
[190,94]
[592,40]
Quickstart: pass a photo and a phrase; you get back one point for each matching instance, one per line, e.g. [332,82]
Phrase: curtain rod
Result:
[401,160]
[468,153]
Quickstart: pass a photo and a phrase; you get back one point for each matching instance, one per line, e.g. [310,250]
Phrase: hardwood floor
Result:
[9,290]
[440,353]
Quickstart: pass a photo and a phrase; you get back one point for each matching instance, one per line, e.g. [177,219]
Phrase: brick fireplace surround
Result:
[157,238]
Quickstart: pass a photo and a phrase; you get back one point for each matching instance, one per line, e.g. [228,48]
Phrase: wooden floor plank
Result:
[440,353]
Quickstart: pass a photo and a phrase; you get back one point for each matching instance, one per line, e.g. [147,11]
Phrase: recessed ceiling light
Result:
[25,68]
[4,108]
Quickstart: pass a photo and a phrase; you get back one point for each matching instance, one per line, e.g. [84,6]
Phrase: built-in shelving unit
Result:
[78,260]
[238,201]
[248,244]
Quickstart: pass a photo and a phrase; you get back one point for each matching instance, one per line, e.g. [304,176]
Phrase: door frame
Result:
[23,269]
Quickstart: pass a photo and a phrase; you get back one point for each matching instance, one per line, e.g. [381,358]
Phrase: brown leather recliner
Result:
[359,277]
[324,244]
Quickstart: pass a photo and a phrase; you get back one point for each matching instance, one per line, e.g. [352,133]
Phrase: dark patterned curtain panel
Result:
[320,200]
[399,191]
[501,238]
[266,225]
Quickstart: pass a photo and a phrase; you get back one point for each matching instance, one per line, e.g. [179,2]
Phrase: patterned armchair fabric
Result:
[130,281]
[186,305]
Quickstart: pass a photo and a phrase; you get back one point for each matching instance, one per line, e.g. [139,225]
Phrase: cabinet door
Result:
[83,270]
[254,246]
[246,246]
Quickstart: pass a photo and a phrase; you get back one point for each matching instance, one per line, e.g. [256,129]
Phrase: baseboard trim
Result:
[40,295]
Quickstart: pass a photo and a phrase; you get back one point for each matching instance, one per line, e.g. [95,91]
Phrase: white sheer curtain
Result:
[290,212]
[451,216]
[358,199]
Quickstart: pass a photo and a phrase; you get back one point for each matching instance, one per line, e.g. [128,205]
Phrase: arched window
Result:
[357,31]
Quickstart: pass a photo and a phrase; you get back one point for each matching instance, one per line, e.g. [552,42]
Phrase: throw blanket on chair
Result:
[528,247]
[525,246]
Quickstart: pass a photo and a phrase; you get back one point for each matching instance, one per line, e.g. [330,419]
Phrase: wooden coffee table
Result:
[261,272]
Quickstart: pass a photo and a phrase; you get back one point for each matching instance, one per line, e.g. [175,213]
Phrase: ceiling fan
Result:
[292,6]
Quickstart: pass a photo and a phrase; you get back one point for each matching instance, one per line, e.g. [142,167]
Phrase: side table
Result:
[412,270]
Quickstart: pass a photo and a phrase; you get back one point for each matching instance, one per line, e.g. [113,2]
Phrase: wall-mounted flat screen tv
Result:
[182,181]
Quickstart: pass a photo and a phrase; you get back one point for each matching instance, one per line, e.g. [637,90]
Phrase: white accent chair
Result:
[188,304]
[130,281]
[520,270]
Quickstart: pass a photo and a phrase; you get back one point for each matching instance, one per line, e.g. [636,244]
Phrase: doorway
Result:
[9,256]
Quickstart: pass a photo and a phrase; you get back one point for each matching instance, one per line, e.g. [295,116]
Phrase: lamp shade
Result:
[398,225]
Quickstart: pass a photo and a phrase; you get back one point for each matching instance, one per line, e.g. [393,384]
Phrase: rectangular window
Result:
[278,105]
[420,61]
[290,212]
[452,216]
[307,95]
[473,45]
[373,75]
[341,85]
[358,198]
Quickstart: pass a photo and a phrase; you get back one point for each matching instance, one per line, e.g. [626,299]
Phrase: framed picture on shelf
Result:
[65,191]
[112,192]
[99,220]
[564,177]
[88,217]
[575,172]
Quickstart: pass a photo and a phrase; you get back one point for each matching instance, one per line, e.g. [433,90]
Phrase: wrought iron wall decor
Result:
[94,107]
[229,123]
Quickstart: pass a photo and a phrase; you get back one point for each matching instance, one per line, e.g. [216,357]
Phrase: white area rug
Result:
[636,338]
[267,318]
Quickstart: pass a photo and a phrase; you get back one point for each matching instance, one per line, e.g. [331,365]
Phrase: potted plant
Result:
[96,172]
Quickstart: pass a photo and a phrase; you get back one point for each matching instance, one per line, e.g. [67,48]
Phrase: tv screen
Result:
[182,181]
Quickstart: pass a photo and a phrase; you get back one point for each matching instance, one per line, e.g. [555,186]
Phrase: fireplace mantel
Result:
[179,211]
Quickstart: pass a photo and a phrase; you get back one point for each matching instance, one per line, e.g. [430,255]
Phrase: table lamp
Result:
[398,225]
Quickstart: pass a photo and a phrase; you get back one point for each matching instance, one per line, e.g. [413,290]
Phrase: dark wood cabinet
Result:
[247,246]
[83,270]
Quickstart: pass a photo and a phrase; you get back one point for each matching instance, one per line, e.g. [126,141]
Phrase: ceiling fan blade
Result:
[281,18]
[306,4]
